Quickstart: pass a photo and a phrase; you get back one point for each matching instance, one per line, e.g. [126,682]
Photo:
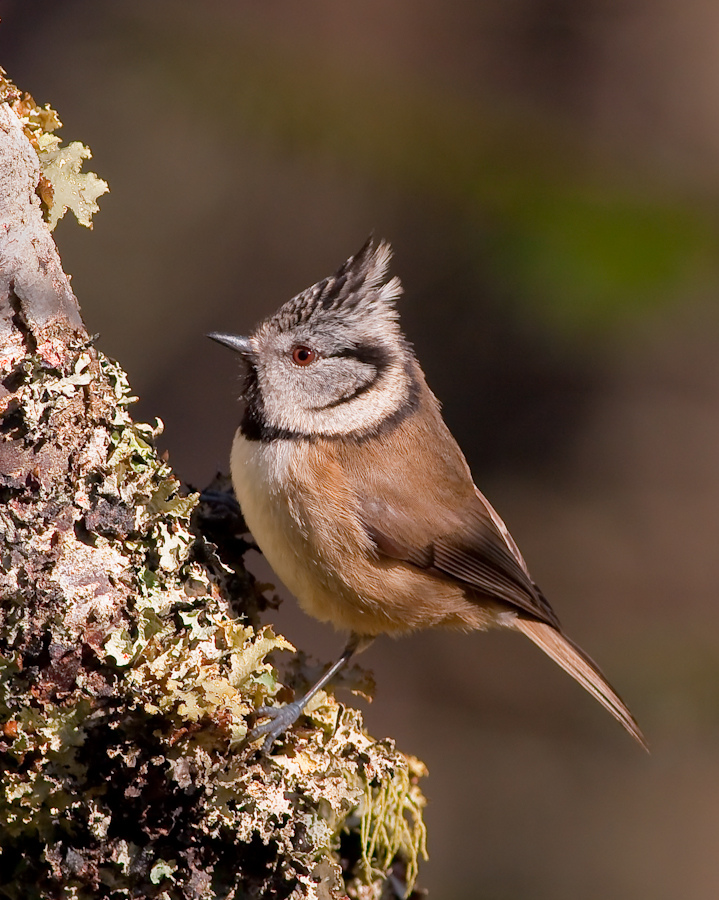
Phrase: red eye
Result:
[303,356]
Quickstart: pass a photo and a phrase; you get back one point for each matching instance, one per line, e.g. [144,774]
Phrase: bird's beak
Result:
[239,344]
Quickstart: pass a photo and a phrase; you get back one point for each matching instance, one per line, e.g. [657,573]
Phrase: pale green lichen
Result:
[62,185]
[391,820]
[71,188]
[161,870]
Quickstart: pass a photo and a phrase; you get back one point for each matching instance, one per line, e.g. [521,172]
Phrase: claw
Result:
[279,719]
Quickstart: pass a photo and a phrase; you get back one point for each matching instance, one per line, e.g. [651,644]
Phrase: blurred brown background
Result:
[548,172]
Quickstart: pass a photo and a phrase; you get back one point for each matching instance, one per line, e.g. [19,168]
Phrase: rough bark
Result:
[131,656]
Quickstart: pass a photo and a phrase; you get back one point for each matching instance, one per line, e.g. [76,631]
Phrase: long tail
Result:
[582,668]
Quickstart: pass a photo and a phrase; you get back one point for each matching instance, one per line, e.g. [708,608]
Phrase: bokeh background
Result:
[548,173]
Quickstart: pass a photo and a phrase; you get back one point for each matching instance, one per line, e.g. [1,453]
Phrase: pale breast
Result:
[278,503]
[259,476]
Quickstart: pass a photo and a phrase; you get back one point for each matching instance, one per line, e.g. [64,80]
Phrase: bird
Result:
[357,493]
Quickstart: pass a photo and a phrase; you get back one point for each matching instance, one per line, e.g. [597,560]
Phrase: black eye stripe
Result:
[370,354]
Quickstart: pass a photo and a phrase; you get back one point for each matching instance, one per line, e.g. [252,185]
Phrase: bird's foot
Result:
[279,719]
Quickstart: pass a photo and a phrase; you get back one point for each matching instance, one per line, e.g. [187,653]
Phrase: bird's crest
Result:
[358,288]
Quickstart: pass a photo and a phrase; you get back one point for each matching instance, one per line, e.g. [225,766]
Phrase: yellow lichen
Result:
[392,824]
[71,188]
[62,185]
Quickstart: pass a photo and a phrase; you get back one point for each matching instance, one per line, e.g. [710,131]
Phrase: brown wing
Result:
[474,551]
[480,556]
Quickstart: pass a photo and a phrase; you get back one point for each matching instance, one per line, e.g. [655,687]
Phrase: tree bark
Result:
[131,656]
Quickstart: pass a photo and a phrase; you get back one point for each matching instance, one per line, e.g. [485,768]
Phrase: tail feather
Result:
[577,664]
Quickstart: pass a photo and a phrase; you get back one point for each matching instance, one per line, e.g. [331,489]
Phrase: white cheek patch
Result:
[363,412]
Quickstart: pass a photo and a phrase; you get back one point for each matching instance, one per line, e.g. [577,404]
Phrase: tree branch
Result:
[131,658]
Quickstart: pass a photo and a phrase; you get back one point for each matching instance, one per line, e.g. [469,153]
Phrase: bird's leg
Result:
[280,718]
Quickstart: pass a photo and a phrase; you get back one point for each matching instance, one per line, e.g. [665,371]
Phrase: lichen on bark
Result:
[132,654]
